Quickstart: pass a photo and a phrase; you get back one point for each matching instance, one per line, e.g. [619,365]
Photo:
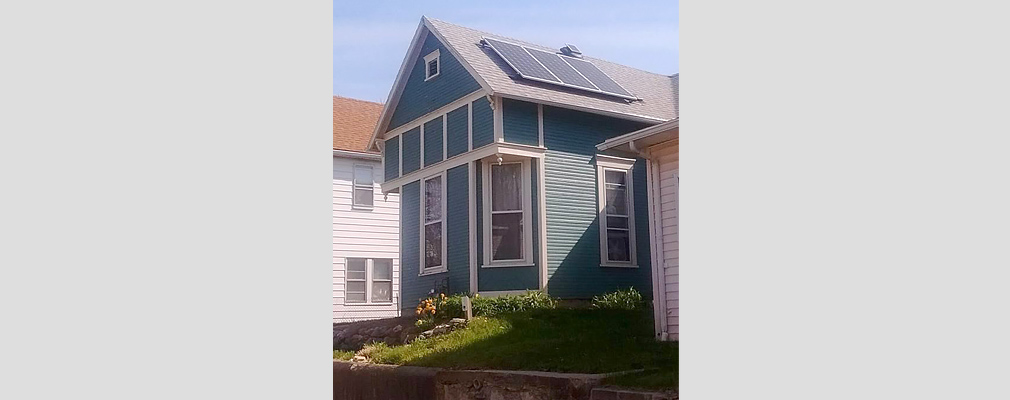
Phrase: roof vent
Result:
[571,50]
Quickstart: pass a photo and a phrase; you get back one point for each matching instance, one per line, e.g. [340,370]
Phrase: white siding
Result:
[363,233]
[667,204]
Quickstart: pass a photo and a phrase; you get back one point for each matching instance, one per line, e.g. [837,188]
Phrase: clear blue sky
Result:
[370,38]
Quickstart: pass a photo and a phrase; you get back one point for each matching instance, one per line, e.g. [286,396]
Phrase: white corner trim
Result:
[445,136]
[438,65]
[542,197]
[527,212]
[540,123]
[472,187]
[399,153]
[499,129]
[420,163]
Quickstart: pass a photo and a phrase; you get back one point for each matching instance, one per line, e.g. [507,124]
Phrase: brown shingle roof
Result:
[353,123]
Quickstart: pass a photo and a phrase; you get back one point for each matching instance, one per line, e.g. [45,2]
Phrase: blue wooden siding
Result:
[410,228]
[458,228]
[483,123]
[433,141]
[420,97]
[391,156]
[457,131]
[573,241]
[411,150]
[519,122]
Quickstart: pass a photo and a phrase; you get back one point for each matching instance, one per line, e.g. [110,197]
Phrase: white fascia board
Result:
[639,134]
[357,154]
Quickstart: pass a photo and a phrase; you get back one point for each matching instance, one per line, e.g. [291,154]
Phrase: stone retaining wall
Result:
[393,331]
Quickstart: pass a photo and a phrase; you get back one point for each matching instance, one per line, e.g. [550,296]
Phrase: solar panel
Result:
[600,79]
[561,69]
[520,60]
[544,66]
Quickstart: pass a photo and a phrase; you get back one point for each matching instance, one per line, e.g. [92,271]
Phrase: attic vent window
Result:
[431,65]
[571,51]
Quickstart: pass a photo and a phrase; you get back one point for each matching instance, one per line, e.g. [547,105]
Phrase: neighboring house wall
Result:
[362,233]
[666,203]
[573,236]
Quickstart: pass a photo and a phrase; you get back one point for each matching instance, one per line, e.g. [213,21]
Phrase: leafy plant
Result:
[622,299]
[442,307]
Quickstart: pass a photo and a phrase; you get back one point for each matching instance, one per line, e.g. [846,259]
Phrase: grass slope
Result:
[563,340]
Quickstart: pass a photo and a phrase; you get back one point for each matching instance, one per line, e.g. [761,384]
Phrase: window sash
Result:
[623,188]
[360,185]
[438,198]
[368,282]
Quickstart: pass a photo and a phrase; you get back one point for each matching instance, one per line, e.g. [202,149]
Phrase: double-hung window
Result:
[368,281]
[617,212]
[507,223]
[433,226]
[363,187]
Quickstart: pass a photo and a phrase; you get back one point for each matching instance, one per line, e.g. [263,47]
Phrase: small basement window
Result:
[431,65]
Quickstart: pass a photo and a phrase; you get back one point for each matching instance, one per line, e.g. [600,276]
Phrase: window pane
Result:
[363,197]
[507,236]
[618,245]
[617,201]
[355,287]
[617,222]
[382,291]
[433,67]
[362,175]
[433,199]
[506,191]
[382,269]
[433,245]
[355,297]
[615,177]
[356,268]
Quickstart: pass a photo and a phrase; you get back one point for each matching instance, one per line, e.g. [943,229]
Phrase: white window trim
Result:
[354,186]
[527,260]
[438,63]
[609,163]
[444,267]
[369,279]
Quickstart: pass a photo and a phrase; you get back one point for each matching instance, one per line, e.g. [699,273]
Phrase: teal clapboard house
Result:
[492,144]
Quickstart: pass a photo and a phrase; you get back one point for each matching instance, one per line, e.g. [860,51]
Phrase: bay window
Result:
[507,221]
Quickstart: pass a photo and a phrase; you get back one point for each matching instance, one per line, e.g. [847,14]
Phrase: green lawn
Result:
[342,355]
[561,340]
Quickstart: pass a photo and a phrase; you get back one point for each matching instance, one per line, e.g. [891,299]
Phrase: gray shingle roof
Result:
[658,92]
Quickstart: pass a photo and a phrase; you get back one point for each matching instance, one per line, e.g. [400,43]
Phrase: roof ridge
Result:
[539,46]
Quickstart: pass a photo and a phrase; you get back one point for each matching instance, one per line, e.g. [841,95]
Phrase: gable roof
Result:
[658,92]
[353,123]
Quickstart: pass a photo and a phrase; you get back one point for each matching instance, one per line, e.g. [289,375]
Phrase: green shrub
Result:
[442,307]
[622,299]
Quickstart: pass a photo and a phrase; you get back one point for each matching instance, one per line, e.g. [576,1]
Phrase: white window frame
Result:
[369,280]
[355,186]
[626,165]
[438,64]
[439,268]
[527,259]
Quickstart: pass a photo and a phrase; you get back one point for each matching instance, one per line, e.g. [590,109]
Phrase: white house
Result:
[660,145]
[366,268]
